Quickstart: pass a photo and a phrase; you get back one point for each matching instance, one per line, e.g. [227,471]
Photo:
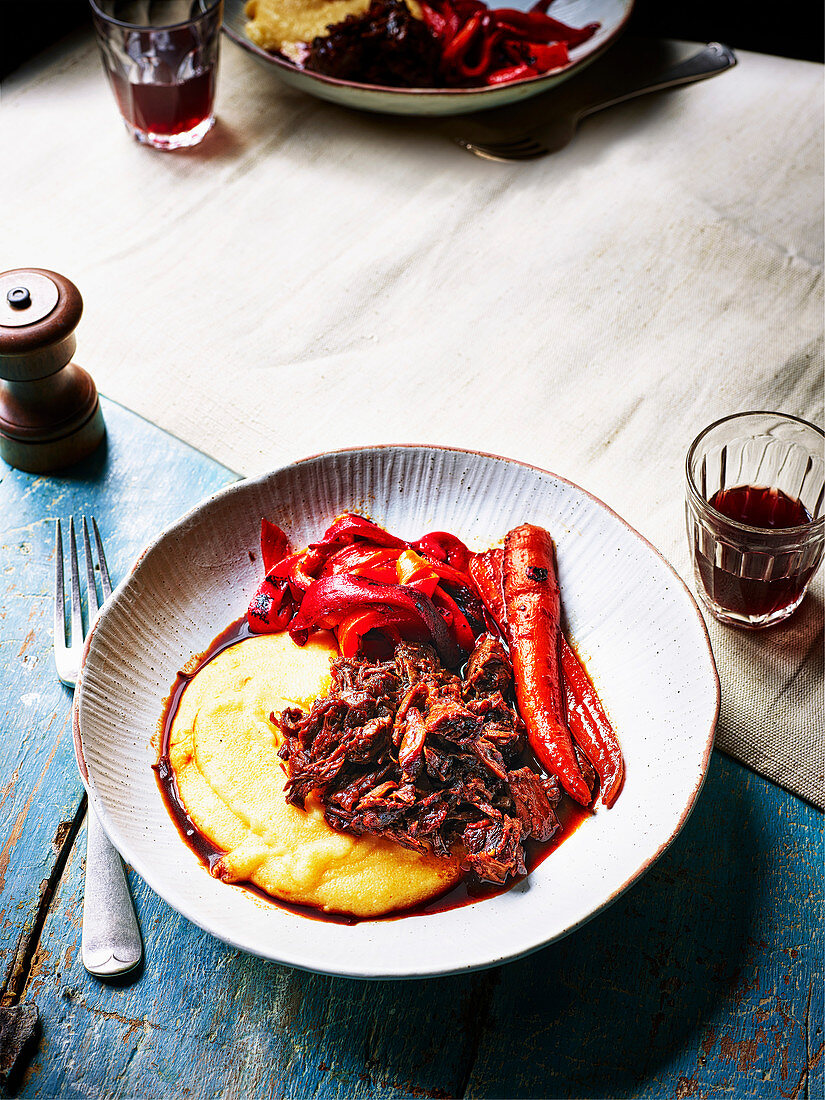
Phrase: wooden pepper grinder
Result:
[50,415]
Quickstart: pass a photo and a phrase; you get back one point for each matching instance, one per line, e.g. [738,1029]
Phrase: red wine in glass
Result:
[748,596]
[166,108]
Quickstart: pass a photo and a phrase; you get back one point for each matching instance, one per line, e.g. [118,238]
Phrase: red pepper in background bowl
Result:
[482,45]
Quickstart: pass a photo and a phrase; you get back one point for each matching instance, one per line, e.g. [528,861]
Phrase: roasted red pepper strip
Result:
[455,619]
[433,19]
[297,569]
[355,626]
[453,22]
[562,32]
[330,599]
[515,72]
[549,57]
[349,558]
[274,545]
[531,601]
[413,570]
[350,527]
[486,571]
[457,577]
[444,547]
[271,608]
[455,49]
[379,566]
[541,28]
[591,727]
[489,43]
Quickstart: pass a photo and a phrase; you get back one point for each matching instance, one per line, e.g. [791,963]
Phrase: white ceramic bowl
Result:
[632,619]
[611,14]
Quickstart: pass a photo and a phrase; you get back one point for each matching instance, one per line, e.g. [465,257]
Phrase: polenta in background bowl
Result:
[631,618]
[611,16]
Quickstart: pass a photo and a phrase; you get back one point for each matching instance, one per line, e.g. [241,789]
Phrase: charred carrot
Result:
[531,602]
[586,719]
[590,725]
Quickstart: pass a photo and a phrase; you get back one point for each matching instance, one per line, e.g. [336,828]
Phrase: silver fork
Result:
[606,86]
[111,945]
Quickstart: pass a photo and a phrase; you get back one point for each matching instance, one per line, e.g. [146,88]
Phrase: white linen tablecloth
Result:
[311,278]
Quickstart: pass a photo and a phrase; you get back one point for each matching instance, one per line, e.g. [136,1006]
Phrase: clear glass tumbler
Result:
[754,509]
[161,58]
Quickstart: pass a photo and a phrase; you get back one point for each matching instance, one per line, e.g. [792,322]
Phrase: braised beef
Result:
[385,46]
[405,749]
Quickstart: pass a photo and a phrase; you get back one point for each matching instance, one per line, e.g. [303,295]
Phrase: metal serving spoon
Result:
[547,123]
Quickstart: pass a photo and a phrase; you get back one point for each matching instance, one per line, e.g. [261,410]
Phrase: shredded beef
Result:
[406,750]
[385,46]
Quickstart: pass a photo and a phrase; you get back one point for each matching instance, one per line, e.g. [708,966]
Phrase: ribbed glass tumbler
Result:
[754,508]
[161,58]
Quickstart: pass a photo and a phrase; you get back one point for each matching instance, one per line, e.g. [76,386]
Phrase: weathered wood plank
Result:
[703,981]
[208,1021]
[136,483]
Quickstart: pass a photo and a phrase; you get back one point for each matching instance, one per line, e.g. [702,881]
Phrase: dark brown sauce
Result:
[467,892]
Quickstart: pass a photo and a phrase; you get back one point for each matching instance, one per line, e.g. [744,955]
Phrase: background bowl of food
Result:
[632,622]
[414,57]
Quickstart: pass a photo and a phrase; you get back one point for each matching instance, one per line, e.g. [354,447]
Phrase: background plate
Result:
[611,14]
[632,619]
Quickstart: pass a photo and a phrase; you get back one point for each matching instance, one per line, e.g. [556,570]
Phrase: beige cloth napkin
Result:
[773,711]
[314,278]
[772,714]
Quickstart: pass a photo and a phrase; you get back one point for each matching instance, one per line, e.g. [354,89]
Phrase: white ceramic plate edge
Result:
[146,871]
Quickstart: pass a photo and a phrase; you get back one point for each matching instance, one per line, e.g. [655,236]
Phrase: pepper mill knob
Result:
[50,414]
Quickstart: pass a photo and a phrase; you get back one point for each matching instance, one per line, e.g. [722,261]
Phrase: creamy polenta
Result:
[287,25]
[223,750]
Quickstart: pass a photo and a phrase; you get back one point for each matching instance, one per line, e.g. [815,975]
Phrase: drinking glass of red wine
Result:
[755,521]
[161,58]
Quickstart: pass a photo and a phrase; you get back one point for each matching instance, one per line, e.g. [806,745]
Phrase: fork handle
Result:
[714,58]
[110,945]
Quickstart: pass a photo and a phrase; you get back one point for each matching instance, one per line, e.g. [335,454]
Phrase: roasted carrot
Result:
[590,725]
[531,603]
[586,719]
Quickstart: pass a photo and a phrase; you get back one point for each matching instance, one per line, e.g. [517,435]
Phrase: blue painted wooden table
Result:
[704,980]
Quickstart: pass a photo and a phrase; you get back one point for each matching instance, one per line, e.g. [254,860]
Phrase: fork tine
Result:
[59,610]
[523,148]
[91,587]
[481,151]
[77,615]
[503,153]
[105,582]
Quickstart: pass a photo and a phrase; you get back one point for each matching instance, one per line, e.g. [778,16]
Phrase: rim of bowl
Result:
[430,93]
[192,915]
[811,528]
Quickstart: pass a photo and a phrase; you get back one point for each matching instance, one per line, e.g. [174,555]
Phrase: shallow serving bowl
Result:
[611,14]
[633,621]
